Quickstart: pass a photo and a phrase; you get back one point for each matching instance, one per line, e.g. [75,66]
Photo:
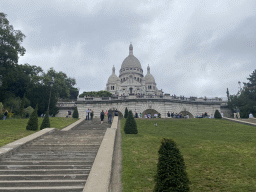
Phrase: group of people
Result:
[89,113]
[109,114]
[176,115]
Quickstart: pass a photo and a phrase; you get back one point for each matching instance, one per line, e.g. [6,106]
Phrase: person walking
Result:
[88,114]
[102,114]
[109,116]
[91,114]
[5,114]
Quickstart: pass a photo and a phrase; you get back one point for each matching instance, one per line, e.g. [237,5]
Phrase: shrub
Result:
[75,113]
[217,114]
[171,170]
[126,113]
[46,121]
[130,126]
[28,111]
[33,121]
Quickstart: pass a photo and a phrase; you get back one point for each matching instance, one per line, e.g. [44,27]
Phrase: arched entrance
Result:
[152,112]
[184,113]
[130,90]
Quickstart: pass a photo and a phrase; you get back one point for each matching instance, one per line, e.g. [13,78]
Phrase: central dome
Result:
[131,61]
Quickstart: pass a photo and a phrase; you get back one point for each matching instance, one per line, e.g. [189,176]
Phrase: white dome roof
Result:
[131,62]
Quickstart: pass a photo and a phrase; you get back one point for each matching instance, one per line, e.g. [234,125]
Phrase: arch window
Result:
[135,78]
[121,80]
[112,87]
[130,68]
[149,87]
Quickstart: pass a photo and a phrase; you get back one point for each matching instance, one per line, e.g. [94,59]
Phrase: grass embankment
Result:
[14,129]
[219,155]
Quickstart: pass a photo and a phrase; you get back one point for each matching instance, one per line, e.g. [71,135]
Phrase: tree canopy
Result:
[28,80]
[245,99]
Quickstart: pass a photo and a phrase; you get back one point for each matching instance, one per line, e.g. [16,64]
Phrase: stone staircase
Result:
[59,161]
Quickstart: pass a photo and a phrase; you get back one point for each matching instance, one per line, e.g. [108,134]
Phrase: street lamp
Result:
[51,84]
[1,83]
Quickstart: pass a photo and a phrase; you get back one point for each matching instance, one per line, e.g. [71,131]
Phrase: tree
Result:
[217,114]
[33,121]
[10,42]
[130,126]
[46,121]
[171,173]
[126,112]
[245,99]
[75,113]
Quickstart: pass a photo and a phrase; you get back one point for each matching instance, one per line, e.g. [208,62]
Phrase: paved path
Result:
[59,161]
[251,121]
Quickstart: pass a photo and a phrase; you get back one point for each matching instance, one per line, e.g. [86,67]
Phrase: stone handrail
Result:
[167,96]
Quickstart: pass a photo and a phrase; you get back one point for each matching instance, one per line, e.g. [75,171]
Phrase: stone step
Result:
[65,162]
[57,162]
[18,167]
[27,152]
[44,171]
[43,189]
[41,183]
[45,177]
[49,158]
[80,155]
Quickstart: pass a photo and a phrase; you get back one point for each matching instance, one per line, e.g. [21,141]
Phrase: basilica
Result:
[131,80]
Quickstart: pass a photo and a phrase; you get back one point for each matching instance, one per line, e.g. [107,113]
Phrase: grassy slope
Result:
[13,129]
[220,155]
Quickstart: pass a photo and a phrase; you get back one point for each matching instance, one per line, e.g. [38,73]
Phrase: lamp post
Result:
[51,84]
[1,83]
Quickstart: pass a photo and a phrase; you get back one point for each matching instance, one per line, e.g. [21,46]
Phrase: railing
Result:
[166,96]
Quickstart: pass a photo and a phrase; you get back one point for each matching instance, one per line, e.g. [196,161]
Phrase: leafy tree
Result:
[28,111]
[126,112]
[46,121]
[13,105]
[75,113]
[130,126]
[33,121]
[217,114]
[96,94]
[171,170]
[245,99]
[10,42]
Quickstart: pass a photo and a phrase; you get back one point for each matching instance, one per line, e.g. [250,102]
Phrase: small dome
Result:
[149,78]
[113,79]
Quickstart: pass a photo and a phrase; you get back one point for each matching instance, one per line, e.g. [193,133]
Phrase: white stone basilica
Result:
[131,80]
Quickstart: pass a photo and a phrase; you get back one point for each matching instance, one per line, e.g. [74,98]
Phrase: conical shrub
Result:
[130,126]
[171,170]
[33,121]
[46,121]
[126,112]
[217,114]
[75,113]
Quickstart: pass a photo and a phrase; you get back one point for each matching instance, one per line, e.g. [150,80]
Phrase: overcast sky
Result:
[194,47]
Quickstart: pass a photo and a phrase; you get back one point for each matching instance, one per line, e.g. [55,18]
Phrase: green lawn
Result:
[14,129]
[220,155]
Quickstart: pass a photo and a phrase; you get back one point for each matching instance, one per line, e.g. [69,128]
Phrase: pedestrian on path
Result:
[91,114]
[102,116]
[5,114]
[109,116]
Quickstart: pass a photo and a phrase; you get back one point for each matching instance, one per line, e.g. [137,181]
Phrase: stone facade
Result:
[161,106]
